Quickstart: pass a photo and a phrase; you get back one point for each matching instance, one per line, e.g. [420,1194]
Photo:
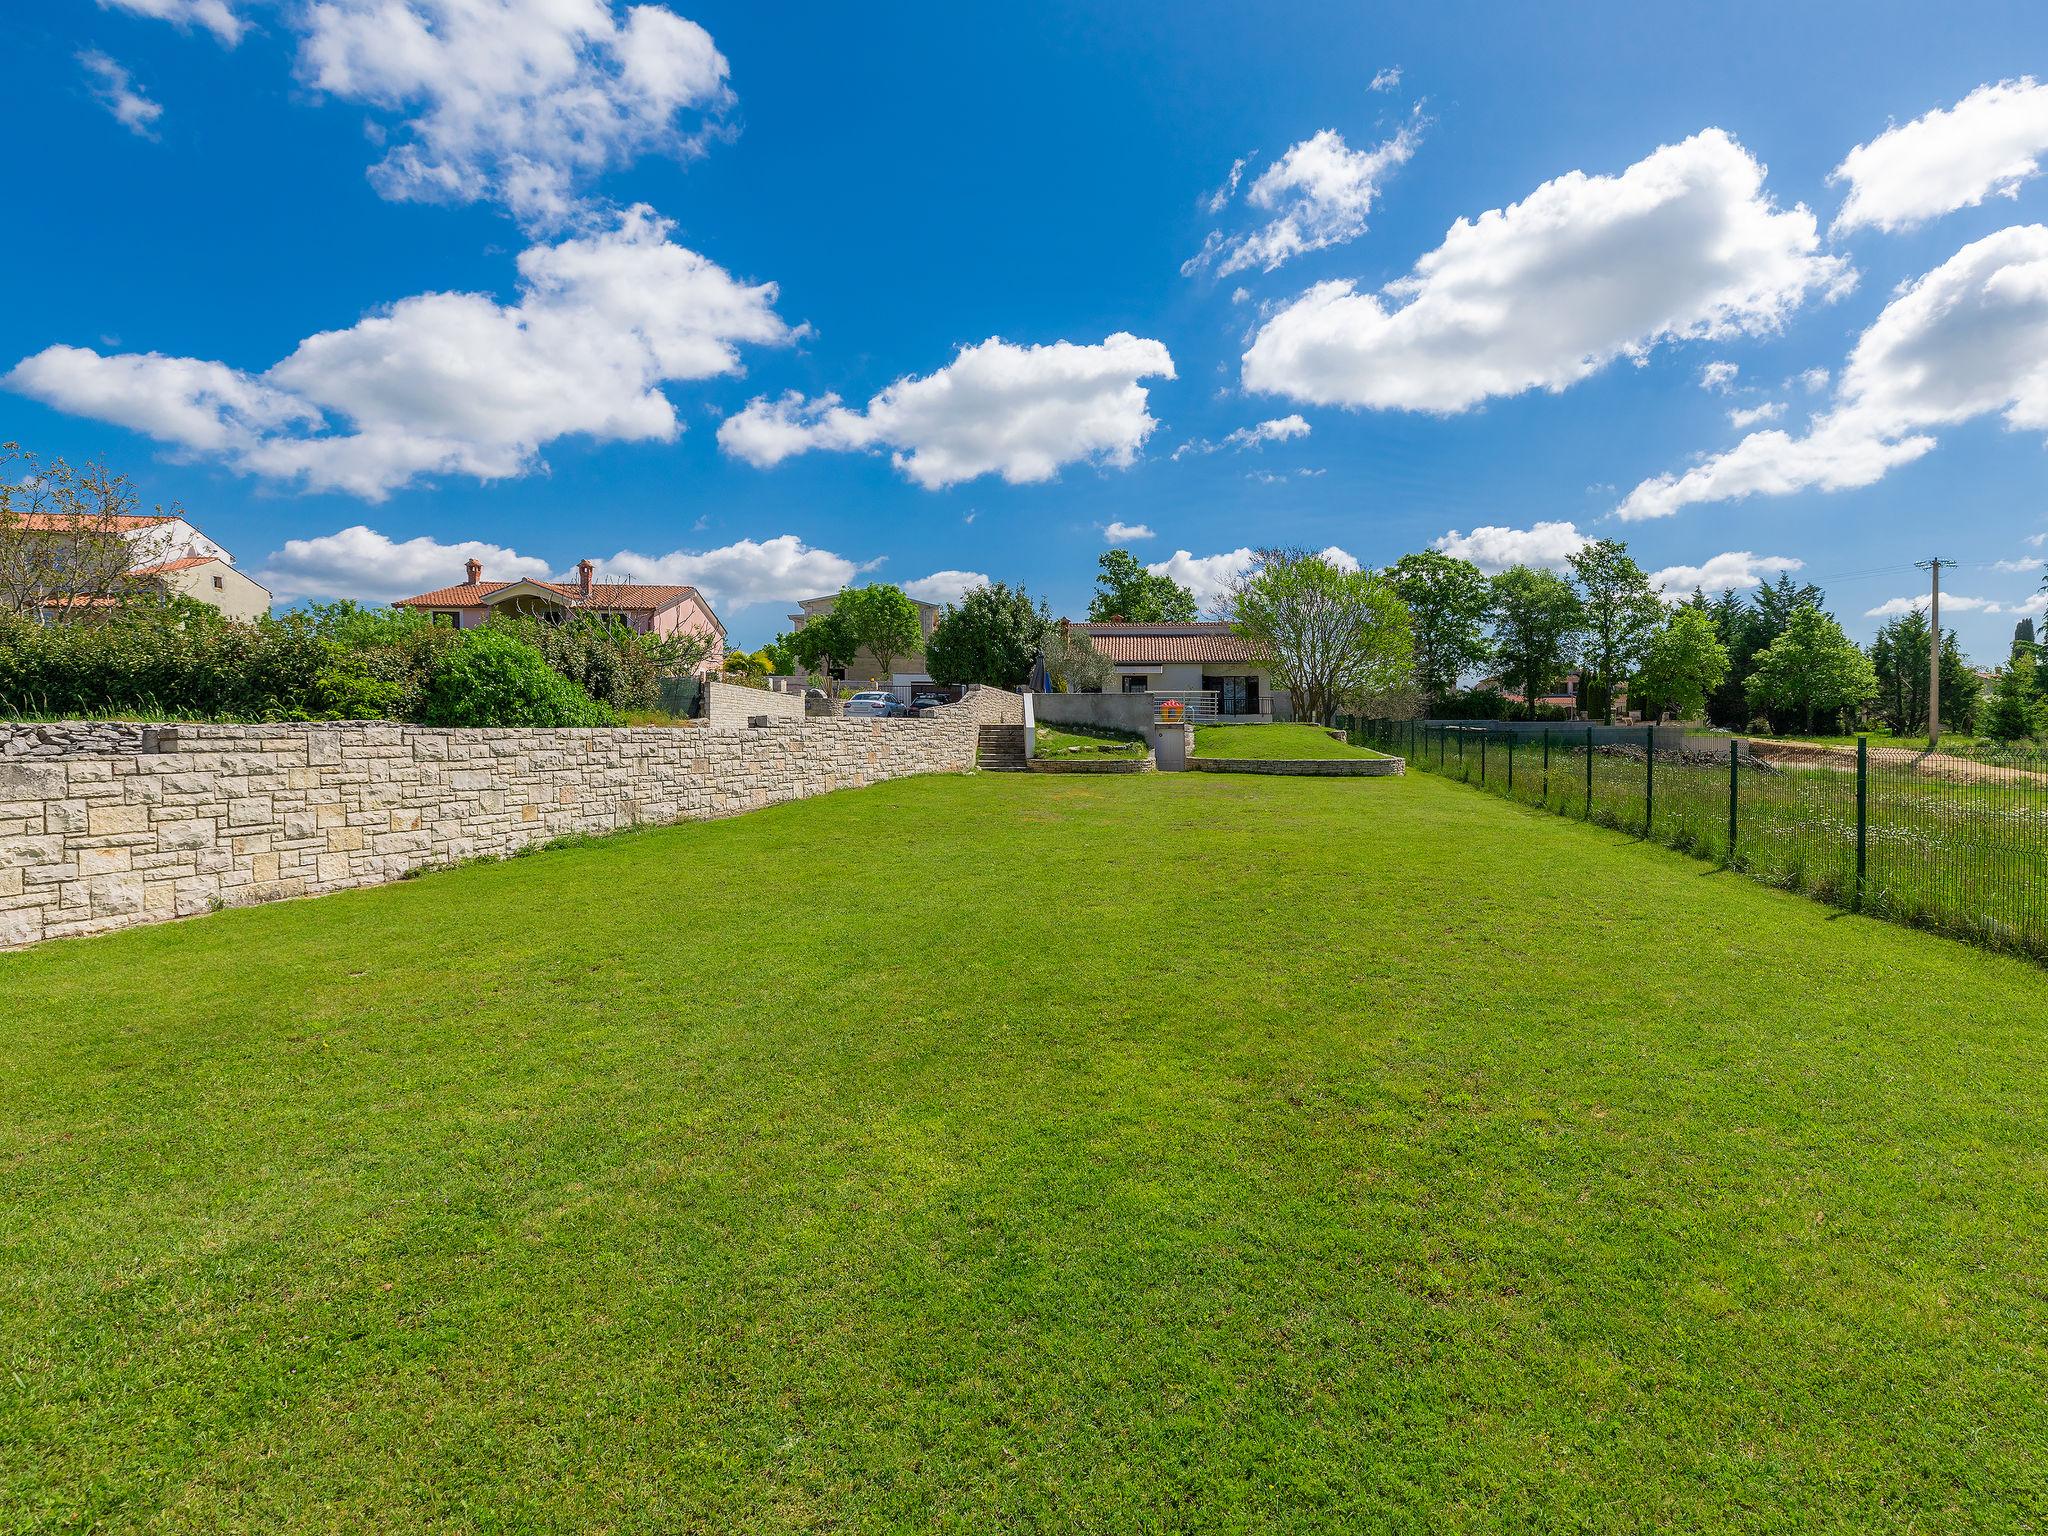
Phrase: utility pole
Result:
[1933,567]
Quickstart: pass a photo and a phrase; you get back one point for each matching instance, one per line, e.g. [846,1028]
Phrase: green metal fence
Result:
[1958,845]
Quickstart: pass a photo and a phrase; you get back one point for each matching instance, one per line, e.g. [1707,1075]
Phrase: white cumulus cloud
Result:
[115,89]
[783,569]
[1021,412]
[216,16]
[1279,430]
[448,383]
[1742,418]
[1318,193]
[1736,571]
[519,102]
[1494,549]
[1986,145]
[1683,244]
[1719,377]
[1952,602]
[1211,577]
[945,586]
[1124,533]
[1965,340]
[369,566]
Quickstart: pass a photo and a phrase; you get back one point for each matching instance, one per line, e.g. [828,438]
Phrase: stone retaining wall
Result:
[736,703]
[194,817]
[68,738]
[1305,767]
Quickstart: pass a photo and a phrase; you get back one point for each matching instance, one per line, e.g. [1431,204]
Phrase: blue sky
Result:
[272,266]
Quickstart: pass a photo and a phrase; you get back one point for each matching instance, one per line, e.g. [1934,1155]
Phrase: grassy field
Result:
[1079,741]
[1176,1152]
[1965,858]
[1268,743]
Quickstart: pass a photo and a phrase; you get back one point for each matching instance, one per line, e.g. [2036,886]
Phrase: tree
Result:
[1622,612]
[1685,662]
[1448,601]
[2023,637]
[1127,593]
[495,679]
[1812,668]
[1333,638]
[1537,623]
[776,656]
[2013,712]
[66,543]
[822,644]
[880,620]
[993,635]
[1072,664]
[1899,657]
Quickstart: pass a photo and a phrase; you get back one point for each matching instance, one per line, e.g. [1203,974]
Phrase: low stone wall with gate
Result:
[174,820]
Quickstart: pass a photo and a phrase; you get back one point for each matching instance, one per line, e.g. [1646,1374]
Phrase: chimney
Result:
[474,569]
[583,570]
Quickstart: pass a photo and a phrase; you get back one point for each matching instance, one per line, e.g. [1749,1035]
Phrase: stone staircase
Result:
[1000,749]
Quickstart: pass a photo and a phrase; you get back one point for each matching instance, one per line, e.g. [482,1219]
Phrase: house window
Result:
[1234,695]
[219,585]
[1135,684]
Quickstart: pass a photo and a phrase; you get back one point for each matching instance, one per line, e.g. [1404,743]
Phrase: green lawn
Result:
[1270,742]
[1176,1152]
[1078,741]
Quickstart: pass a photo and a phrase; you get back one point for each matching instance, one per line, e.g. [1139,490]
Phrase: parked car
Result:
[928,701]
[875,704]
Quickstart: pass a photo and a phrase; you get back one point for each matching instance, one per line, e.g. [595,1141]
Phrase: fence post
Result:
[1546,767]
[1649,778]
[1862,814]
[1482,759]
[1734,796]
[1511,767]
[1589,773]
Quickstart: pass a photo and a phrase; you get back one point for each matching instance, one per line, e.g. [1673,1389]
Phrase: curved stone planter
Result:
[1305,767]
[1105,765]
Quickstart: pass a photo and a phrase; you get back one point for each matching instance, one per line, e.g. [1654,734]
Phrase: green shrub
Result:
[494,678]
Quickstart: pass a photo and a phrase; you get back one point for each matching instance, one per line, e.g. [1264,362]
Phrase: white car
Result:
[875,704]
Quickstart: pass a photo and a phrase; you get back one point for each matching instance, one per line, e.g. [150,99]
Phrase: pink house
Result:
[659,610]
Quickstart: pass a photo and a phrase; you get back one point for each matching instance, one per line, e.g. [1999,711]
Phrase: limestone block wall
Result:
[193,817]
[736,704]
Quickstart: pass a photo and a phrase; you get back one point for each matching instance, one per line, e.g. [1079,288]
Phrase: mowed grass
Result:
[1269,743]
[1166,1153]
[1081,742]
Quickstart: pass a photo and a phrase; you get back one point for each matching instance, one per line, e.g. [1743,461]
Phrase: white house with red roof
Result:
[1205,665]
[168,550]
[643,607]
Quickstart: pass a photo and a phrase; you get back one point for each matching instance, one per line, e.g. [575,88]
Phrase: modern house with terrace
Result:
[1210,669]
[642,607]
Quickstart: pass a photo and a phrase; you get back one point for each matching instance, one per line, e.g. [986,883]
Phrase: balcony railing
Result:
[1205,704]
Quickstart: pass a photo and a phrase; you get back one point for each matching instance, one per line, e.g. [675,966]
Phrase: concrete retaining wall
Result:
[1305,767]
[199,816]
[1115,711]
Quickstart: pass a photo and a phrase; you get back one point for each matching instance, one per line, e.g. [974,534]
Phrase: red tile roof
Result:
[1135,644]
[629,597]
[120,522]
[184,563]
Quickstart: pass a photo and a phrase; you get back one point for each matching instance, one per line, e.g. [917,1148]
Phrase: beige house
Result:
[906,674]
[165,549]
[212,579]
[1206,666]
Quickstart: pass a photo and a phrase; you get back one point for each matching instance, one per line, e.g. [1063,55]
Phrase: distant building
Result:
[1207,666]
[907,676]
[168,552]
[643,607]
